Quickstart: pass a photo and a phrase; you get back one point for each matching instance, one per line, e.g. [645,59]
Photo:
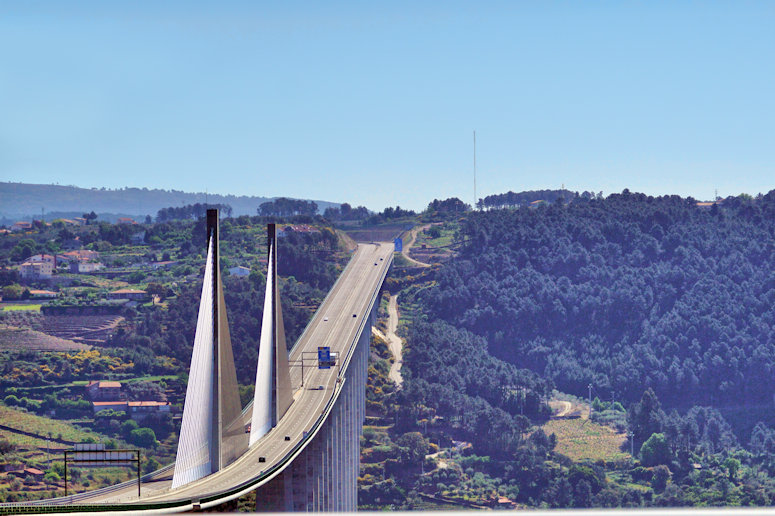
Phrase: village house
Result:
[36,270]
[35,473]
[128,293]
[21,226]
[84,267]
[43,294]
[709,204]
[103,390]
[118,406]
[81,255]
[48,258]
[138,238]
[297,228]
[68,222]
[125,220]
[137,410]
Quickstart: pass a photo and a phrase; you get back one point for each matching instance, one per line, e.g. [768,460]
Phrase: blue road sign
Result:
[324,357]
[399,243]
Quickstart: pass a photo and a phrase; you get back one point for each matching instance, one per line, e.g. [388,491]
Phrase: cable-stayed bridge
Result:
[297,444]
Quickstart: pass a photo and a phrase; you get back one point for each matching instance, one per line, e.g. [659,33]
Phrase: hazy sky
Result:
[375,102]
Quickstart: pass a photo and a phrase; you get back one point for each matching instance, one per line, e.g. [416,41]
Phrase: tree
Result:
[13,292]
[646,417]
[655,451]
[143,437]
[23,250]
[128,426]
[582,494]
[90,217]
[415,445]
[660,477]
[733,466]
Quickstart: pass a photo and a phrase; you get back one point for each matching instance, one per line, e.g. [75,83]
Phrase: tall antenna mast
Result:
[475,198]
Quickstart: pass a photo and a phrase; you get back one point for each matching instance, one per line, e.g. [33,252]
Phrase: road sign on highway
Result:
[324,357]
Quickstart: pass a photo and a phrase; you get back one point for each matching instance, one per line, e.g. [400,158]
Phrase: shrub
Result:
[143,437]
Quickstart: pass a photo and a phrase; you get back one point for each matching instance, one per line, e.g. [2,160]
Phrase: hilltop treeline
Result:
[511,199]
[625,293]
[284,207]
[190,211]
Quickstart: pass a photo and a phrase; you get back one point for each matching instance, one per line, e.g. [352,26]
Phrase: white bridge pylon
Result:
[273,394]
[212,434]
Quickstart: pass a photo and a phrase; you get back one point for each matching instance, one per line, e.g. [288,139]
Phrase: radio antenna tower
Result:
[475,198]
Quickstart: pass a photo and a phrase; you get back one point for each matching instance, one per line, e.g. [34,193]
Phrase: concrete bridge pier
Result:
[325,476]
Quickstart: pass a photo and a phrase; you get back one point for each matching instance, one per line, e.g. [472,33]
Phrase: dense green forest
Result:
[659,303]
[625,292]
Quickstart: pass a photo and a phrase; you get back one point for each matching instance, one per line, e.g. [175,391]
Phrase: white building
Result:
[84,267]
[36,270]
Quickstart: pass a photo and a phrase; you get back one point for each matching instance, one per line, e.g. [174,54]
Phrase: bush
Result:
[151,465]
[128,426]
[143,437]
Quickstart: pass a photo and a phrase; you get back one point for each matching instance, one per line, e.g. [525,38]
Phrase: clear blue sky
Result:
[374,103]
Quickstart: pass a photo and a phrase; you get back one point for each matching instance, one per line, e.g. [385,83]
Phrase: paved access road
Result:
[336,324]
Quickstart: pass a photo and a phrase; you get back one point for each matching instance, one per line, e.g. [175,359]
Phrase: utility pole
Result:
[589,395]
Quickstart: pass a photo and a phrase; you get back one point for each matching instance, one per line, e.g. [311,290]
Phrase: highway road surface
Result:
[336,324]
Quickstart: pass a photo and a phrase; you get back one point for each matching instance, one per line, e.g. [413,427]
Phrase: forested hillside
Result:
[21,200]
[626,293]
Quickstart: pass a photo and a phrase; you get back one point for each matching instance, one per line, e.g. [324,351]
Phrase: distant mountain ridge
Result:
[21,201]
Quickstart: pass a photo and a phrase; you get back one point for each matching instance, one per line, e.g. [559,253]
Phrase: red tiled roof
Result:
[104,383]
[148,403]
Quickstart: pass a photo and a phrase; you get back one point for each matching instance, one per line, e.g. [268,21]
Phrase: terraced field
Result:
[14,338]
[580,439]
[30,423]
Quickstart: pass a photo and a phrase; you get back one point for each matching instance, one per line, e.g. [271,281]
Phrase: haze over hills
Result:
[21,201]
